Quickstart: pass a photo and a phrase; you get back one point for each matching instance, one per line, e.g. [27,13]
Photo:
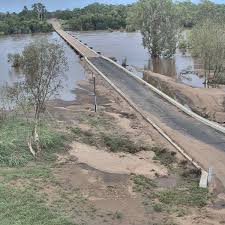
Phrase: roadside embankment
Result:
[208,102]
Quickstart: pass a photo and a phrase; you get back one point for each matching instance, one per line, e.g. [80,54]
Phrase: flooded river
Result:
[116,44]
[123,45]
[14,44]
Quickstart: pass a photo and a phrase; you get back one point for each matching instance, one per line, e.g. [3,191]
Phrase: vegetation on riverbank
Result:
[27,21]
[101,17]
[94,17]
[208,43]
[43,64]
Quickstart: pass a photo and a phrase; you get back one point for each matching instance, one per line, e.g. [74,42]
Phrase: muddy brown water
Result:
[16,43]
[116,44]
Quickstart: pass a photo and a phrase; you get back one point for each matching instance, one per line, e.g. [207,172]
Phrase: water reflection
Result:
[129,45]
[15,44]
[117,44]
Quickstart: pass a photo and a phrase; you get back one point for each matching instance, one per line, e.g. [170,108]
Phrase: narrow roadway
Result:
[203,143]
[74,43]
[150,102]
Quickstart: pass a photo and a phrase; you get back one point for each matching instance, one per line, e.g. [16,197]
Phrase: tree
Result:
[187,12]
[208,43]
[40,10]
[158,24]
[43,65]
[94,17]
[27,21]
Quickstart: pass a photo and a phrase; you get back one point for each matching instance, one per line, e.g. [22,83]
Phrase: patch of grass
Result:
[117,215]
[158,207]
[191,195]
[52,141]
[187,194]
[117,143]
[37,171]
[86,137]
[113,142]
[191,173]
[22,208]
[142,183]
[164,156]
[75,130]
[98,121]
[13,142]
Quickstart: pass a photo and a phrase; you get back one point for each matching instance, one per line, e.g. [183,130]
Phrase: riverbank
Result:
[207,102]
[114,169]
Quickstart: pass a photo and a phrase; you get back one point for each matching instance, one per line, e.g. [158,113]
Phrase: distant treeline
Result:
[27,21]
[94,17]
[101,17]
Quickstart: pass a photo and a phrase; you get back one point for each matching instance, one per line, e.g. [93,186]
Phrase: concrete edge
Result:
[209,123]
[204,174]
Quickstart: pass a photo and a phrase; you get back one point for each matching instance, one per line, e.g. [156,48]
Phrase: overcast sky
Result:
[17,5]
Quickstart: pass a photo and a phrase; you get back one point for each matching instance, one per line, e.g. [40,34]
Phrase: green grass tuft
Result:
[164,156]
[86,137]
[13,142]
[142,183]
[158,207]
[116,143]
[191,195]
[22,208]
[187,194]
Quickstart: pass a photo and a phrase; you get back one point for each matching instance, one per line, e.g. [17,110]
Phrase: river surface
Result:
[113,44]
[14,44]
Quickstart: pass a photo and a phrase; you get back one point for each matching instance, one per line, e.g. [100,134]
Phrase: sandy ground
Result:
[103,178]
[208,102]
[141,163]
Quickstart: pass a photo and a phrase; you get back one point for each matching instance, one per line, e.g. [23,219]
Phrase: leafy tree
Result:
[43,65]
[158,24]
[40,10]
[26,21]
[94,17]
[208,43]
[186,13]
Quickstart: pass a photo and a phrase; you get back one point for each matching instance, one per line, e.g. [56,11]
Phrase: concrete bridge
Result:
[199,140]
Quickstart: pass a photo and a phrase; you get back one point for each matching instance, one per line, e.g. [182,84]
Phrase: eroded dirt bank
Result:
[207,102]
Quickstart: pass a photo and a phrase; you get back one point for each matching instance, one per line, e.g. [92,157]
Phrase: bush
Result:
[15,59]
[164,156]
[120,144]
[142,183]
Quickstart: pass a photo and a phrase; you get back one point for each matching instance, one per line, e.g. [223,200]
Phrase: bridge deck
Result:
[74,43]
